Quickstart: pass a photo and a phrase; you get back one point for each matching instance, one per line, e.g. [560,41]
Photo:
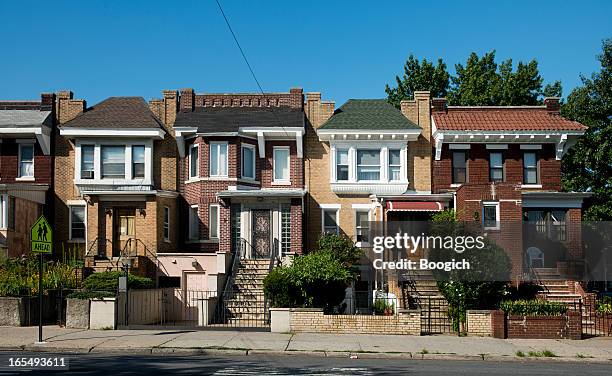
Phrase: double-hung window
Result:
[194,223]
[87,162]
[459,167]
[193,161]
[368,165]
[490,215]
[330,221]
[213,221]
[77,222]
[26,160]
[138,161]
[530,168]
[342,165]
[395,165]
[496,166]
[281,164]
[362,226]
[248,161]
[218,159]
[166,223]
[113,162]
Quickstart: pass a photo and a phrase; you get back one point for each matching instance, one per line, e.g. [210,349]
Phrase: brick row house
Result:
[26,169]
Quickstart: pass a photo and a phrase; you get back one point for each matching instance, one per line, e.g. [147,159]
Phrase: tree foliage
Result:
[588,165]
[478,82]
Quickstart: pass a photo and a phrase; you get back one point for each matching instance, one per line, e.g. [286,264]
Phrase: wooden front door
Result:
[261,233]
[124,229]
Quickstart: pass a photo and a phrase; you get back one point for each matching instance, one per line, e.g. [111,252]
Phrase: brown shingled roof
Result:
[117,112]
[503,119]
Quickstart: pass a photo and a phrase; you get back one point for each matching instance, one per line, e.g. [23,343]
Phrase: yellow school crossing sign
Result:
[41,236]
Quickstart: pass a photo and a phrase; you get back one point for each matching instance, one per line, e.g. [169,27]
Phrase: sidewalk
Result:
[248,343]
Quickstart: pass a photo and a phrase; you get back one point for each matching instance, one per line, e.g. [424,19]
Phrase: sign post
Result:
[41,237]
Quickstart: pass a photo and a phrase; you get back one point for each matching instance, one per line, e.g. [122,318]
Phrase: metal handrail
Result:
[96,241]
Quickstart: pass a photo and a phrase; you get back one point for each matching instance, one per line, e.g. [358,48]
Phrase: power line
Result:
[248,64]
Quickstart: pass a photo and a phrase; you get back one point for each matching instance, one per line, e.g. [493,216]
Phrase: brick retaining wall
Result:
[314,321]
[479,323]
[568,326]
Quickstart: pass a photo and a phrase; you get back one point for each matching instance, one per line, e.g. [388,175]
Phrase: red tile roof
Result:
[503,119]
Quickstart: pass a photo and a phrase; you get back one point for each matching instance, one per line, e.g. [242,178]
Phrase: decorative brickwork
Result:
[407,322]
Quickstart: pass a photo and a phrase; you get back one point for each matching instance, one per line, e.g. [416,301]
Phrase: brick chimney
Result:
[47,101]
[418,111]
[68,108]
[317,111]
[552,105]
[297,97]
[186,100]
[438,105]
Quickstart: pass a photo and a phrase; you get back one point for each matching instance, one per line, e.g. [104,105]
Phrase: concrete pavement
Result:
[340,345]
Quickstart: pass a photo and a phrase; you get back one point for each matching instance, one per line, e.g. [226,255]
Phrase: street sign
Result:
[41,236]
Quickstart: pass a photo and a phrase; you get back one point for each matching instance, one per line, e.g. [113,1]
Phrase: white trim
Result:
[530,147]
[261,143]
[363,207]
[218,145]
[191,147]
[70,223]
[497,146]
[497,219]
[360,210]
[330,206]
[337,215]
[4,203]
[534,186]
[23,143]
[156,133]
[456,185]
[218,229]
[459,146]
[166,239]
[366,134]
[286,181]
[252,148]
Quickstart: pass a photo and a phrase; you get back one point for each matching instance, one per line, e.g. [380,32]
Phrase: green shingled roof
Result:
[368,114]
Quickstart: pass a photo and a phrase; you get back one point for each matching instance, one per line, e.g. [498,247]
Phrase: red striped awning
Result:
[415,206]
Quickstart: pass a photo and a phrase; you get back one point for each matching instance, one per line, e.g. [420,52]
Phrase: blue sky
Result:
[344,49]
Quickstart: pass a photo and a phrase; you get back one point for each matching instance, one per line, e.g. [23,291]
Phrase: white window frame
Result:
[337,164]
[218,217]
[389,165]
[274,179]
[70,237]
[4,203]
[144,162]
[21,145]
[497,220]
[381,164]
[358,209]
[192,218]
[330,208]
[197,170]
[217,145]
[81,161]
[252,148]
[382,147]
[166,224]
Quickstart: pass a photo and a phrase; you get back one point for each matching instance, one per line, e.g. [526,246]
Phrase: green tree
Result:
[477,83]
[588,165]
[419,75]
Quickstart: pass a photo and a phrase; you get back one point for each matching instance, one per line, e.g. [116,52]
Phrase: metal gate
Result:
[435,318]
[596,313]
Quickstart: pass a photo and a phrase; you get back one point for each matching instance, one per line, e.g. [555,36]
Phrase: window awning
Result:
[415,206]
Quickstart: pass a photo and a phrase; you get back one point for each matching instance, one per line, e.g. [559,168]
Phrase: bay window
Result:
[395,165]
[193,161]
[281,164]
[368,165]
[218,159]
[26,160]
[248,161]
[113,162]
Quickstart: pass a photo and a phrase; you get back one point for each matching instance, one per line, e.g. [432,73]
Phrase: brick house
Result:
[240,172]
[26,169]
[116,196]
[503,167]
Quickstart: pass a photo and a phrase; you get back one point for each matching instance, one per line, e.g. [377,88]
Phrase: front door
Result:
[124,231]
[261,233]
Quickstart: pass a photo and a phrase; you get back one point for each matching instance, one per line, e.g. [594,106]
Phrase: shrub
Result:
[605,305]
[109,281]
[279,290]
[19,276]
[535,307]
[90,295]
[340,247]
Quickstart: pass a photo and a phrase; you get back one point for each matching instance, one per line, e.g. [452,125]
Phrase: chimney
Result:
[297,97]
[552,105]
[170,107]
[418,111]
[438,105]
[68,108]
[186,100]
[317,112]
[47,100]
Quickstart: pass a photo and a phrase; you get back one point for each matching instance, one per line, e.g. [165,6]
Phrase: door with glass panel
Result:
[124,229]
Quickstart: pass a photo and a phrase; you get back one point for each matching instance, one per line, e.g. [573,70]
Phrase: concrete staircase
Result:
[244,303]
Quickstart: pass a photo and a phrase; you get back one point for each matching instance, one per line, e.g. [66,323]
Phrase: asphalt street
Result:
[125,364]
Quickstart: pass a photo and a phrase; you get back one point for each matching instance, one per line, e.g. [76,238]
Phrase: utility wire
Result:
[248,64]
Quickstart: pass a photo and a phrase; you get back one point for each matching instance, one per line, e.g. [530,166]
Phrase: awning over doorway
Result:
[415,206]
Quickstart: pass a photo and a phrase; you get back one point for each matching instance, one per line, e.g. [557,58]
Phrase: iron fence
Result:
[595,313]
